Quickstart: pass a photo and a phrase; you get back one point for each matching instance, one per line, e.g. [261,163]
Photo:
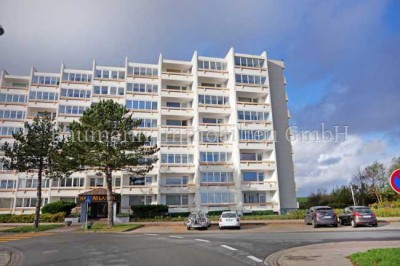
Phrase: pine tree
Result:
[34,151]
[103,141]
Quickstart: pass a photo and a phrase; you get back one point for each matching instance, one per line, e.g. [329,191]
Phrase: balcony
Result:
[177,189]
[177,111]
[43,104]
[176,147]
[249,88]
[187,94]
[214,126]
[259,186]
[139,190]
[213,90]
[177,75]
[177,168]
[255,124]
[214,108]
[257,165]
[256,144]
[249,106]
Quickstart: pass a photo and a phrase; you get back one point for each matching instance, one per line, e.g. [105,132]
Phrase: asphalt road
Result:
[202,248]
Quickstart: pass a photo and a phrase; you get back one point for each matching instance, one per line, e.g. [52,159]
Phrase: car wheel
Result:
[353,223]
[375,225]
[188,228]
[314,223]
[238,228]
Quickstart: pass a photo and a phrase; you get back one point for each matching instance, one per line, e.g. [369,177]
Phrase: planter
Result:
[121,220]
[73,220]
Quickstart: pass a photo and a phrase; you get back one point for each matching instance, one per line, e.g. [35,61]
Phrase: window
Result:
[12,98]
[8,184]
[253,176]
[6,203]
[178,139]
[175,105]
[248,100]
[215,156]
[75,93]
[29,202]
[43,95]
[253,115]
[250,79]
[181,199]
[77,77]
[249,62]
[8,131]
[140,200]
[146,122]
[211,65]
[12,114]
[216,197]
[108,90]
[251,156]
[213,120]
[116,182]
[255,135]
[214,137]
[72,109]
[45,80]
[213,99]
[110,74]
[69,182]
[32,183]
[3,167]
[182,123]
[177,88]
[142,88]
[216,177]
[143,71]
[254,197]
[177,181]
[140,180]
[141,105]
[176,158]
[96,181]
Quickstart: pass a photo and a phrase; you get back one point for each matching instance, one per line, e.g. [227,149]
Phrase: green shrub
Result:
[178,214]
[59,206]
[267,212]
[297,214]
[386,204]
[214,213]
[122,215]
[28,218]
[149,211]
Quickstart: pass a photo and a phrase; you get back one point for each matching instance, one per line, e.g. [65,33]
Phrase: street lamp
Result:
[1,30]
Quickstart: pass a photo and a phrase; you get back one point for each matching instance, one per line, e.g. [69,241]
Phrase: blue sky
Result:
[342,59]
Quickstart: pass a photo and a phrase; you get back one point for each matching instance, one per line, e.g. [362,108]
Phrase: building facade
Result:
[220,124]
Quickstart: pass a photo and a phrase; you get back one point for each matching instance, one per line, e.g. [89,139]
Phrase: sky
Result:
[342,59]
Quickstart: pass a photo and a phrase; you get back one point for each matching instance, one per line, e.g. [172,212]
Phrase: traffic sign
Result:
[395,180]
[88,199]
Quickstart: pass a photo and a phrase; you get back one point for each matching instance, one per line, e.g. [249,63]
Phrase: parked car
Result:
[198,220]
[321,215]
[229,219]
[358,215]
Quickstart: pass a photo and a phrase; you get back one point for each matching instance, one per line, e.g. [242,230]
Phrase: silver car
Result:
[197,220]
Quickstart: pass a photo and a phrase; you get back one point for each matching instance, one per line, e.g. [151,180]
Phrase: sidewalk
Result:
[329,254]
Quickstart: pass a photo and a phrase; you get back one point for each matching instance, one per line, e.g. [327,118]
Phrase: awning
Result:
[97,195]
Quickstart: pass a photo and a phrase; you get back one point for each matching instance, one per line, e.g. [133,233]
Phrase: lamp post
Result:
[1,30]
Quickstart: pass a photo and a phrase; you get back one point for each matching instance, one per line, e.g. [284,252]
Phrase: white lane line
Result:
[151,234]
[254,258]
[228,247]
[176,237]
[202,240]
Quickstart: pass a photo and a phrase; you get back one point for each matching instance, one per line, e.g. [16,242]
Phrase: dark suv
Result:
[321,215]
[358,215]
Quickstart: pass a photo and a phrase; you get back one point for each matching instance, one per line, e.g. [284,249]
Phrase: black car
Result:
[321,215]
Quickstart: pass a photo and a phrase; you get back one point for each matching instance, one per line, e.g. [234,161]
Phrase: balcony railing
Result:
[205,88]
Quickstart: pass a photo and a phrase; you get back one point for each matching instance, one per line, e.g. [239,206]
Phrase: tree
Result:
[377,179]
[103,141]
[34,151]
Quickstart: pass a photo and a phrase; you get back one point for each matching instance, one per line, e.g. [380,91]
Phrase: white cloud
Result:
[321,164]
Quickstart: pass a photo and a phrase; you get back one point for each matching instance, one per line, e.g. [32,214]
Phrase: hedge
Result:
[267,212]
[29,218]
[178,214]
[149,211]
[59,206]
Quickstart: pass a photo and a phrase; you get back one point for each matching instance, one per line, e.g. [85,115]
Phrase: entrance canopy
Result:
[98,195]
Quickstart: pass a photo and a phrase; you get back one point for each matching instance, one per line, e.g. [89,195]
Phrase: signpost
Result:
[395,180]
[87,201]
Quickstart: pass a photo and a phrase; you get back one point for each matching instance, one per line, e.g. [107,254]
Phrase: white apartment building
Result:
[220,124]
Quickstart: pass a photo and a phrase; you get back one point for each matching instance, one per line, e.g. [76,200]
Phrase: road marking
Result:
[254,258]
[151,234]
[176,237]
[228,247]
[202,240]
[50,251]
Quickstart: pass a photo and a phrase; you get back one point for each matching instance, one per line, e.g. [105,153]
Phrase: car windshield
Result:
[363,210]
[325,210]
[228,215]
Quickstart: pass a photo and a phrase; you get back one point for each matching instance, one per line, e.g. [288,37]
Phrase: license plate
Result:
[229,220]
[367,216]
[327,217]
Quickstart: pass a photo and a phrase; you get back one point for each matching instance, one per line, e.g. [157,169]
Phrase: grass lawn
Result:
[30,228]
[377,257]
[102,227]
